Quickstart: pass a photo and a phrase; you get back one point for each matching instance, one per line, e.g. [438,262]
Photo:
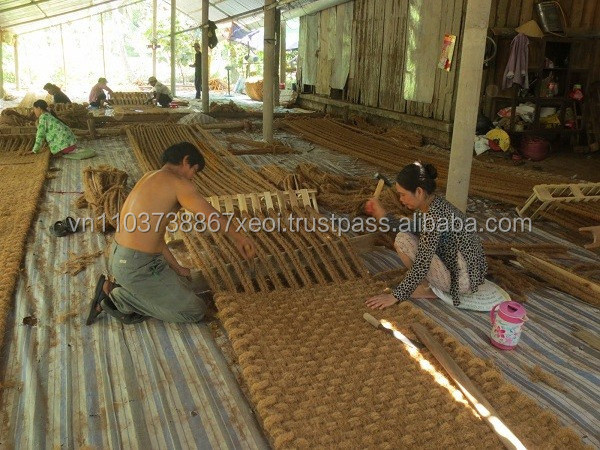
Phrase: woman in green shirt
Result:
[59,136]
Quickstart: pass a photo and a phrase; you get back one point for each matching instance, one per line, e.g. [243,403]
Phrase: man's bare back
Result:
[153,203]
[149,208]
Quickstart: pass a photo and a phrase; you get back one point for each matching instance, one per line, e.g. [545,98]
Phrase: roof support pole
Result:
[1,69]
[16,44]
[154,37]
[268,71]
[205,68]
[102,44]
[282,53]
[173,11]
[467,102]
[62,50]
[276,55]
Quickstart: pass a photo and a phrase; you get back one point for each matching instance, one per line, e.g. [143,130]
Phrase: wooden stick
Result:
[379,188]
[473,394]
[587,336]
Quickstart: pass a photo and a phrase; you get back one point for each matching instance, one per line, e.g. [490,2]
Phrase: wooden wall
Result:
[377,50]
[377,56]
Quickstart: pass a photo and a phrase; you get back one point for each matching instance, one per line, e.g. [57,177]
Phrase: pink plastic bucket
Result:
[507,322]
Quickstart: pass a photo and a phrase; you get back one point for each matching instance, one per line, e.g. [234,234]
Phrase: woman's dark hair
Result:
[175,154]
[417,175]
[50,87]
[44,107]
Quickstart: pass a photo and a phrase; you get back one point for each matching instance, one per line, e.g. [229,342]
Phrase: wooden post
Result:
[62,49]
[1,68]
[173,11]
[92,127]
[102,43]
[276,55]
[205,68]
[269,50]
[154,37]
[16,44]
[282,53]
[467,102]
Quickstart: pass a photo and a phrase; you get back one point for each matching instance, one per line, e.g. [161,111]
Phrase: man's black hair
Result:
[175,154]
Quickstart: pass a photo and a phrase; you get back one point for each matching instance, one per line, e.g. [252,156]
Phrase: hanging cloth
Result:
[518,61]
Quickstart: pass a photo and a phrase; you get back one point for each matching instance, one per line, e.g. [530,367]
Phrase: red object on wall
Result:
[535,148]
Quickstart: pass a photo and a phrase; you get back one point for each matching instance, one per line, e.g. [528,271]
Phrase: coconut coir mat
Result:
[320,376]
[22,176]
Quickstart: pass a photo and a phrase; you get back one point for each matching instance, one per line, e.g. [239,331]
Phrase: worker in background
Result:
[51,129]
[97,94]
[198,73]
[54,91]
[450,259]
[162,94]
[148,280]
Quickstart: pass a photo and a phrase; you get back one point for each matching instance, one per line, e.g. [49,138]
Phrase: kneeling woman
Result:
[451,260]
[51,129]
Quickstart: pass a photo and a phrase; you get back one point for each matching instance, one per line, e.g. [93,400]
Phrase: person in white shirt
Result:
[162,94]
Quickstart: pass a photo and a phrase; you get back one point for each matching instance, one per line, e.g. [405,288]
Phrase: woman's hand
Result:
[246,247]
[381,301]
[373,208]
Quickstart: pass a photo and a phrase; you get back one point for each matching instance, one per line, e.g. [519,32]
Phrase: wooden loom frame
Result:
[553,194]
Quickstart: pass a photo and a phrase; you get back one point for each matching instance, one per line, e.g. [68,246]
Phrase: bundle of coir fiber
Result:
[72,114]
[105,191]
[337,193]
[17,118]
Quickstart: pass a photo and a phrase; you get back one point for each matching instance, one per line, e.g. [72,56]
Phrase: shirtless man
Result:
[149,282]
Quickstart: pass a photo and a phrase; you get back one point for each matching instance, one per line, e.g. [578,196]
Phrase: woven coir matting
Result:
[320,376]
[22,176]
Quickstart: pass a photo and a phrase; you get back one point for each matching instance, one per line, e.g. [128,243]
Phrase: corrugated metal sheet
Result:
[14,13]
[67,385]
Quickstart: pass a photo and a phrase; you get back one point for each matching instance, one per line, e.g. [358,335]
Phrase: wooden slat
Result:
[596,22]
[577,13]
[502,13]
[323,59]
[442,76]
[457,26]
[526,11]
[514,14]
[589,10]
[378,11]
[391,62]
[399,102]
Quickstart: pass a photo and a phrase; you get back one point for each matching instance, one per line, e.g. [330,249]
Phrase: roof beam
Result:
[223,20]
[81,18]
[31,3]
[14,25]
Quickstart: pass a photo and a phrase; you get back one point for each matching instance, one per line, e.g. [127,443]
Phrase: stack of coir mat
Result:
[320,376]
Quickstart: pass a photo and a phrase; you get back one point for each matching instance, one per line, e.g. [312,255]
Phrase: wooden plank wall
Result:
[378,52]
[324,48]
